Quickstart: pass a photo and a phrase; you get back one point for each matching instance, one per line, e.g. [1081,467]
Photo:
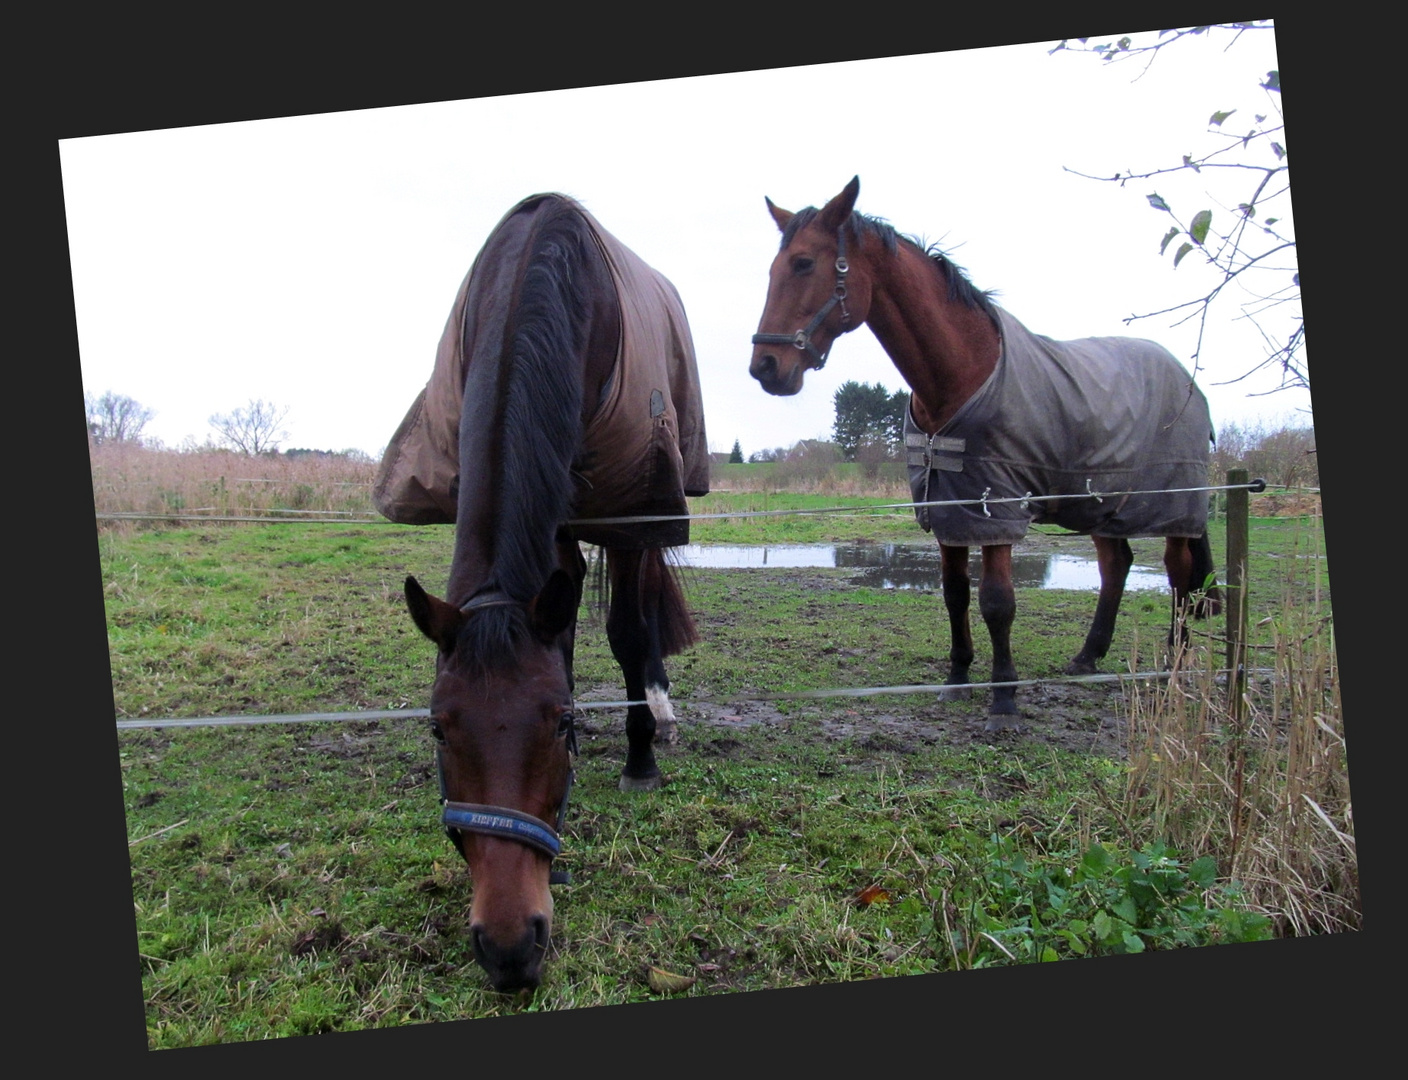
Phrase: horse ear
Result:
[437,620]
[554,609]
[779,215]
[835,212]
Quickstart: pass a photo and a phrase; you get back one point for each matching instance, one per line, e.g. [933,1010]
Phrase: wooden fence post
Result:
[1238,525]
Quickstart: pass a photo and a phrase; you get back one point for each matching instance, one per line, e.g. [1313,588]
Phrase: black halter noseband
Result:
[500,821]
[802,339]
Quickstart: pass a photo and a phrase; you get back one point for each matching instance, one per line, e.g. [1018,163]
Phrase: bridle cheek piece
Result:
[802,339]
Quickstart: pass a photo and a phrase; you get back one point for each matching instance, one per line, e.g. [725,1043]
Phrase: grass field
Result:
[292,878]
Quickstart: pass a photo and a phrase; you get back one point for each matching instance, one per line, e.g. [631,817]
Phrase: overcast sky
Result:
[311,261]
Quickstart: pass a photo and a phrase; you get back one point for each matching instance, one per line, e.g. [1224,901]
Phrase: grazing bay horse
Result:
[564,397]
[999,413]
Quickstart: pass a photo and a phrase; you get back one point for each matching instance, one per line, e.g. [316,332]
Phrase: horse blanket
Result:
[1105,415]
[642,451]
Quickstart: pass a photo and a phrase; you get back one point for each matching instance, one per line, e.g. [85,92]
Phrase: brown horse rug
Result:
[643,450]
[1103,415]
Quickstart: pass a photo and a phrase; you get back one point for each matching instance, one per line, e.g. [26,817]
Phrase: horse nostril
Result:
[765,366]
[541,931]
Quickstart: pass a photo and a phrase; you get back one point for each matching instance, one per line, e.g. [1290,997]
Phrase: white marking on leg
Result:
[664,713]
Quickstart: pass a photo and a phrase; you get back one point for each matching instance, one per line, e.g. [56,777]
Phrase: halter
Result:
[500,821]
[802,339]
[506,824]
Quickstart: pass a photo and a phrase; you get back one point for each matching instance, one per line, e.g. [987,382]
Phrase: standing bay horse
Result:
[564,397]
[997,412]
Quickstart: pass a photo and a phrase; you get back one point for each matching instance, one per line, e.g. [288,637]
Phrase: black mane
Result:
[959,287]
[538,418]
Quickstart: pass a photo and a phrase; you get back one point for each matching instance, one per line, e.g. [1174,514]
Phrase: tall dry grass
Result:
[129,478]
[1263,789]
[800,476]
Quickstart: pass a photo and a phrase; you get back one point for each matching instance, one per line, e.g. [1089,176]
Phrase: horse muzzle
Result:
[768,369]
[513,964]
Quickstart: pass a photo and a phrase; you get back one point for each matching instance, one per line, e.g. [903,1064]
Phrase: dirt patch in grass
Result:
[1086,718]
[1076,718]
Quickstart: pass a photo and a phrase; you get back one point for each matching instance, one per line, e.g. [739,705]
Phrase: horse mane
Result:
[538,416]
[960,288]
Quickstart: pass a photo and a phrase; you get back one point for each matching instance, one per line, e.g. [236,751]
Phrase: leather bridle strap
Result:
[802,339]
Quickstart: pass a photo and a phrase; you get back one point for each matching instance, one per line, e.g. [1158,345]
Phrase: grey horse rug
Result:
[1108,415]
[643,450]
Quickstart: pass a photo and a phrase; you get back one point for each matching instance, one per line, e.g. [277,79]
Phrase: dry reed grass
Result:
[132,479]
[1263,789]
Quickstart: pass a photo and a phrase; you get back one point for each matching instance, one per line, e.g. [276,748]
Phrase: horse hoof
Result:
[1080,667]
[1002,722]
[666,733]
[955,692]
[640,783]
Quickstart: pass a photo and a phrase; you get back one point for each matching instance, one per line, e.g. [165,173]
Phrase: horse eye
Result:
[436,732]
[566,722]
[802,265]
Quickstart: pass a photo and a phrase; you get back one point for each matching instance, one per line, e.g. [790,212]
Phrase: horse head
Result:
[502,718]
[812,296]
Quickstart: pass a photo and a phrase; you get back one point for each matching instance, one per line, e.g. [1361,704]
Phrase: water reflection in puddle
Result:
[911,566]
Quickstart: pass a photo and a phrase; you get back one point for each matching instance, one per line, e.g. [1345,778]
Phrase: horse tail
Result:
[676,621]
[659,594]
[1201,578]
[677,629]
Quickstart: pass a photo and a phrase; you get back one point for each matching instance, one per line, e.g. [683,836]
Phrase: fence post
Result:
[1238,510]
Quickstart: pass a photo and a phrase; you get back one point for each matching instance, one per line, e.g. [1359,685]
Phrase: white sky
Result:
[312,260]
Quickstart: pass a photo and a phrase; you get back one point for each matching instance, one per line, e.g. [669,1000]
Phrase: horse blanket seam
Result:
[1114,413]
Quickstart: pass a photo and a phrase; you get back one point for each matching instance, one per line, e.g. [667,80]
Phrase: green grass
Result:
[294,879]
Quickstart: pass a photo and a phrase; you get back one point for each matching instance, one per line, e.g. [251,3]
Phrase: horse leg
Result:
[1178,562]
[997,600]
[954,571]
[1115,558]
[646,623]
[1202,578]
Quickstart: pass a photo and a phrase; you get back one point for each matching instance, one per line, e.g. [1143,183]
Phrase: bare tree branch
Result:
[251,429]
[1231,251]
[116,417]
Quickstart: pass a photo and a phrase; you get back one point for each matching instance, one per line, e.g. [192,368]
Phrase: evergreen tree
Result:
[868,415]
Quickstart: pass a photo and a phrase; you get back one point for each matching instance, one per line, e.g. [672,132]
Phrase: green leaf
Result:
[1216,118]
[1278,150]
[1133,942]
[1163,246]
[1248,210]
[1190,163]
[1123,44]
[1273,81]
[1182,251]
[1202,221]
[1048,954]
[1157,202]
[1095,860]
[1203,871]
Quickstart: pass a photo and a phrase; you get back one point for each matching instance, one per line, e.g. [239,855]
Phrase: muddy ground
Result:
[1087,717]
